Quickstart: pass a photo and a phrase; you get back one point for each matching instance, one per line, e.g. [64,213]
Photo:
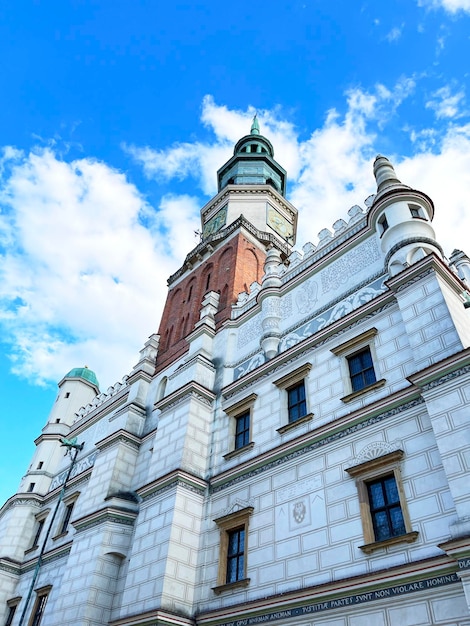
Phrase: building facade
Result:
[292,447]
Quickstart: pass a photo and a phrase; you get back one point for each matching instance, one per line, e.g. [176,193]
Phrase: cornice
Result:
[295,352]
[419,270]
[229,190]
[192,388]
[10,566]
[176,478]
[48,557]
[208,245]
[404,400]
[120,436]
[160,617]
[442,372]
[113,514]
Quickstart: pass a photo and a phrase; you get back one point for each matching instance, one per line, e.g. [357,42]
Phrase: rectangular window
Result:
[12,605]
[242,430]
[39,606]
[294,398]
[416,211]
[361,369]
[233,550]
[236,555]
[296,403]
[239,426]
[382,502]
[37,534]
[385,508]
[67,516]
[10,615]
[383,224]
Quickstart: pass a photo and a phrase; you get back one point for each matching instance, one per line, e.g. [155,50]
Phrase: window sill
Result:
[368,548]
[60,535]
[244,582]
[238,451]
[31,549]
[291,425]
[360,392]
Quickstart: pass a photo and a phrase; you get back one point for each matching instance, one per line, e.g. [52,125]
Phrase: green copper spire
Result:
[255,126]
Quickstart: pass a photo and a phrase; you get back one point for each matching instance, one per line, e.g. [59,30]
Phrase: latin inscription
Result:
[347,601]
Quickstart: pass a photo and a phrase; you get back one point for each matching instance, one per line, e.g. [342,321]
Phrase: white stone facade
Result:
[161,483]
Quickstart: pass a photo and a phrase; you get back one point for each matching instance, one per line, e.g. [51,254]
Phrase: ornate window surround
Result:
[227,523]
[234,411]
[286,382]
[373,469]
[348,349]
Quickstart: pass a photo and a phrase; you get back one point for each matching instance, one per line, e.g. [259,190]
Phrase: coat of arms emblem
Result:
[299,511]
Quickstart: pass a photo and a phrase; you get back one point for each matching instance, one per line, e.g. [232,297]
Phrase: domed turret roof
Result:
[253,163]
[85,374]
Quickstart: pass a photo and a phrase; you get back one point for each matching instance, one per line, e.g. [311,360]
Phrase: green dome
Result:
[85,373]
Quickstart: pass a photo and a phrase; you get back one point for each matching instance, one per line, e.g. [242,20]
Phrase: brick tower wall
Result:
[230,270]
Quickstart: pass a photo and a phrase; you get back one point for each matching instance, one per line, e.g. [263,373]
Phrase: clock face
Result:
[279,223]
[215,223]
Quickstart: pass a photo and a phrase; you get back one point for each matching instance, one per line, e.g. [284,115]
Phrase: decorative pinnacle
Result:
[255,126]
[384,173]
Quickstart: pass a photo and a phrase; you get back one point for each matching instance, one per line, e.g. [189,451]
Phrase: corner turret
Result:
[402,219]
[76,389]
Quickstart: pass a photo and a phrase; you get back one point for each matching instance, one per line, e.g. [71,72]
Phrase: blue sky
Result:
[115,116]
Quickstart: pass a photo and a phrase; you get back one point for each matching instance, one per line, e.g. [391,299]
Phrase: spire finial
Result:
[384,173]
[255,126]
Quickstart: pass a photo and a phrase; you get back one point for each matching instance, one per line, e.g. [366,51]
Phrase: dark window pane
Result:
[236,555]
[361,370]
[242,430]
[391,490]
[376,495]
[398,523]
[381,526]
[385,509]
[296,404]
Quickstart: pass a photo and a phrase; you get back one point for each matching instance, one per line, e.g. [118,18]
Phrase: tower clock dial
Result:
[279,223]
[215,223]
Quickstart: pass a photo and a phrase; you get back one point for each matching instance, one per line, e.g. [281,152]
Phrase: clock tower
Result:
[248,216]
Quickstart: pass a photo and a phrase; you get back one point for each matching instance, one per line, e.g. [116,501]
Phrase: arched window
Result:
[162,388]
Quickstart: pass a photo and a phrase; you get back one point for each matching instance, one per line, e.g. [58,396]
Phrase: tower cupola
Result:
[253,163]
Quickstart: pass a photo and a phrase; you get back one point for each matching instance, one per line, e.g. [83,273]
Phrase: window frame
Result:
[12,605]
[349,349]
[227,524]
[69,505]
[419,212]
[287,383]
[367,472]
[236,411]
[40,519]
[383,223]
[42,595]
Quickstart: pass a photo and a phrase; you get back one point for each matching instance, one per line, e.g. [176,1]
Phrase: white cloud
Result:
[82,279]
[84,259]
[452,6]
[395,33]
[446,104]
[445,176]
